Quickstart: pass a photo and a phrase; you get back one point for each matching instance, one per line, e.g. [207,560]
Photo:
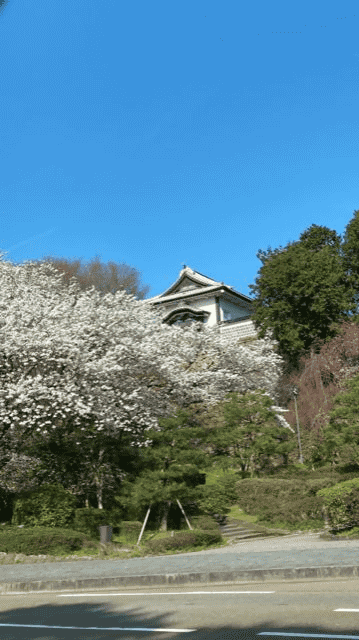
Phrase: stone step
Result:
[235,532]
[245,536]
[239,532]
[234,527]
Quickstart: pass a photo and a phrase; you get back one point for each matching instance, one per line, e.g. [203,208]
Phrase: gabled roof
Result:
[189,283]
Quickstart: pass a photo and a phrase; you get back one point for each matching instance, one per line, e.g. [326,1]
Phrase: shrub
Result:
[89,520]
[130,530]
[290,501]
[341,502]
[228,484]
[50,506]
[41,540]
[184,539]
[205,523]
[214,500]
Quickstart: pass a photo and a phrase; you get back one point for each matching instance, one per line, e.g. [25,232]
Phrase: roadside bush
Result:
[291,501]
[41,540]
[341,502]
[184,539]
[227,484]
[214,500]
[205,523]
[130,530]
[50,506]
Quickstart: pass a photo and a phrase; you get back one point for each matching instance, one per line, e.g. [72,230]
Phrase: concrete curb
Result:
[182,579]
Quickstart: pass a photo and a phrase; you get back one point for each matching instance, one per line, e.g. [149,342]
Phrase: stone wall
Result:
[234,331]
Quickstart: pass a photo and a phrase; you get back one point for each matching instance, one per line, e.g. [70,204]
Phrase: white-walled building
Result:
[195,296]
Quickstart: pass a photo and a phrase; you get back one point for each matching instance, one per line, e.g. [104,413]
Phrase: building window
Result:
[186,316]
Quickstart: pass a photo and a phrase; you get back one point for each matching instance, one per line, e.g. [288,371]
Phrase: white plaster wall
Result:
[206,304]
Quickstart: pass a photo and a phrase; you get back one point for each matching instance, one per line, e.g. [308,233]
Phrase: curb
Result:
[182,579]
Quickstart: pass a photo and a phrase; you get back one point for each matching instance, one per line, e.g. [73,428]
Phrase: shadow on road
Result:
[99,615]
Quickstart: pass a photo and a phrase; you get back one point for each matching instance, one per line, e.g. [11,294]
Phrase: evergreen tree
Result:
[350,252]
[172,461]
[340,443]
[250,438]
[303,293]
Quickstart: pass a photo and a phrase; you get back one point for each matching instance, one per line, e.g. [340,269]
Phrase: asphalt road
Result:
[274,609]
[291,551]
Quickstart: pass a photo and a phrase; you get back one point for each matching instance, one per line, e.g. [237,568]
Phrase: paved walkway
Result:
[271,553]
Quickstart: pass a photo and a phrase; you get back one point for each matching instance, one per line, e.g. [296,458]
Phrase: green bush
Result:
[205,523]
[292,501]
[89,520]
[49,506]
[41,540]
[184,539]
[341,502]
[130,530]
[227,484]
[214,500]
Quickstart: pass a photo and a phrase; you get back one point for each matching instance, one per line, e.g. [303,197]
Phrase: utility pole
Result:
[295,393]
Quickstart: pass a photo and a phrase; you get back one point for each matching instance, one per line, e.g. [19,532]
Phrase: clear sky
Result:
[158,133]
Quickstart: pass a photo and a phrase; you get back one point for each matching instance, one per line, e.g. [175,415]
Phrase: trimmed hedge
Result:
[41,540]
[183,539]
[287,500]
[341,502]
[205,523]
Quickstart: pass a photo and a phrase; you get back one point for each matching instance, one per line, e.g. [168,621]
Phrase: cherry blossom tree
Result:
[91,373]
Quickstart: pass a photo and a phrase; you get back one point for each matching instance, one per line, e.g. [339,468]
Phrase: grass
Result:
[239,514]
[352,534]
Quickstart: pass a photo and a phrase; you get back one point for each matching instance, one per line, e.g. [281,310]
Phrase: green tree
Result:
[302,293]
[250,438]
[340,444]
[171,462]
[350,253]
[3,3]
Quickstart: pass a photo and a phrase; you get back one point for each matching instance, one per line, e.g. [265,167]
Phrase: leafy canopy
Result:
[302,292]
[250,437]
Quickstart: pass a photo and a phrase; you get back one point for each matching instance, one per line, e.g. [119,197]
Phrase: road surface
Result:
[244,613]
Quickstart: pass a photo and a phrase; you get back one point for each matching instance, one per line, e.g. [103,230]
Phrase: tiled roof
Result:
[208,285]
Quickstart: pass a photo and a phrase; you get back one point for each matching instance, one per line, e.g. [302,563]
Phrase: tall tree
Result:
[341,434]
[106,278]
[171,462]
[250,437]
[3,3]
[350,252]
[88,373]
[302,293]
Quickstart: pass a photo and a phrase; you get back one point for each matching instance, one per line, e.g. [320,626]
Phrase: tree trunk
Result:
[99,482]
[163,526]
[87,503]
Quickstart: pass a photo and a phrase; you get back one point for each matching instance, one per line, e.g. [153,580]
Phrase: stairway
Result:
[234,531]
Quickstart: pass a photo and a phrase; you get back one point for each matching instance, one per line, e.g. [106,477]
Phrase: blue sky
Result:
[161,133]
